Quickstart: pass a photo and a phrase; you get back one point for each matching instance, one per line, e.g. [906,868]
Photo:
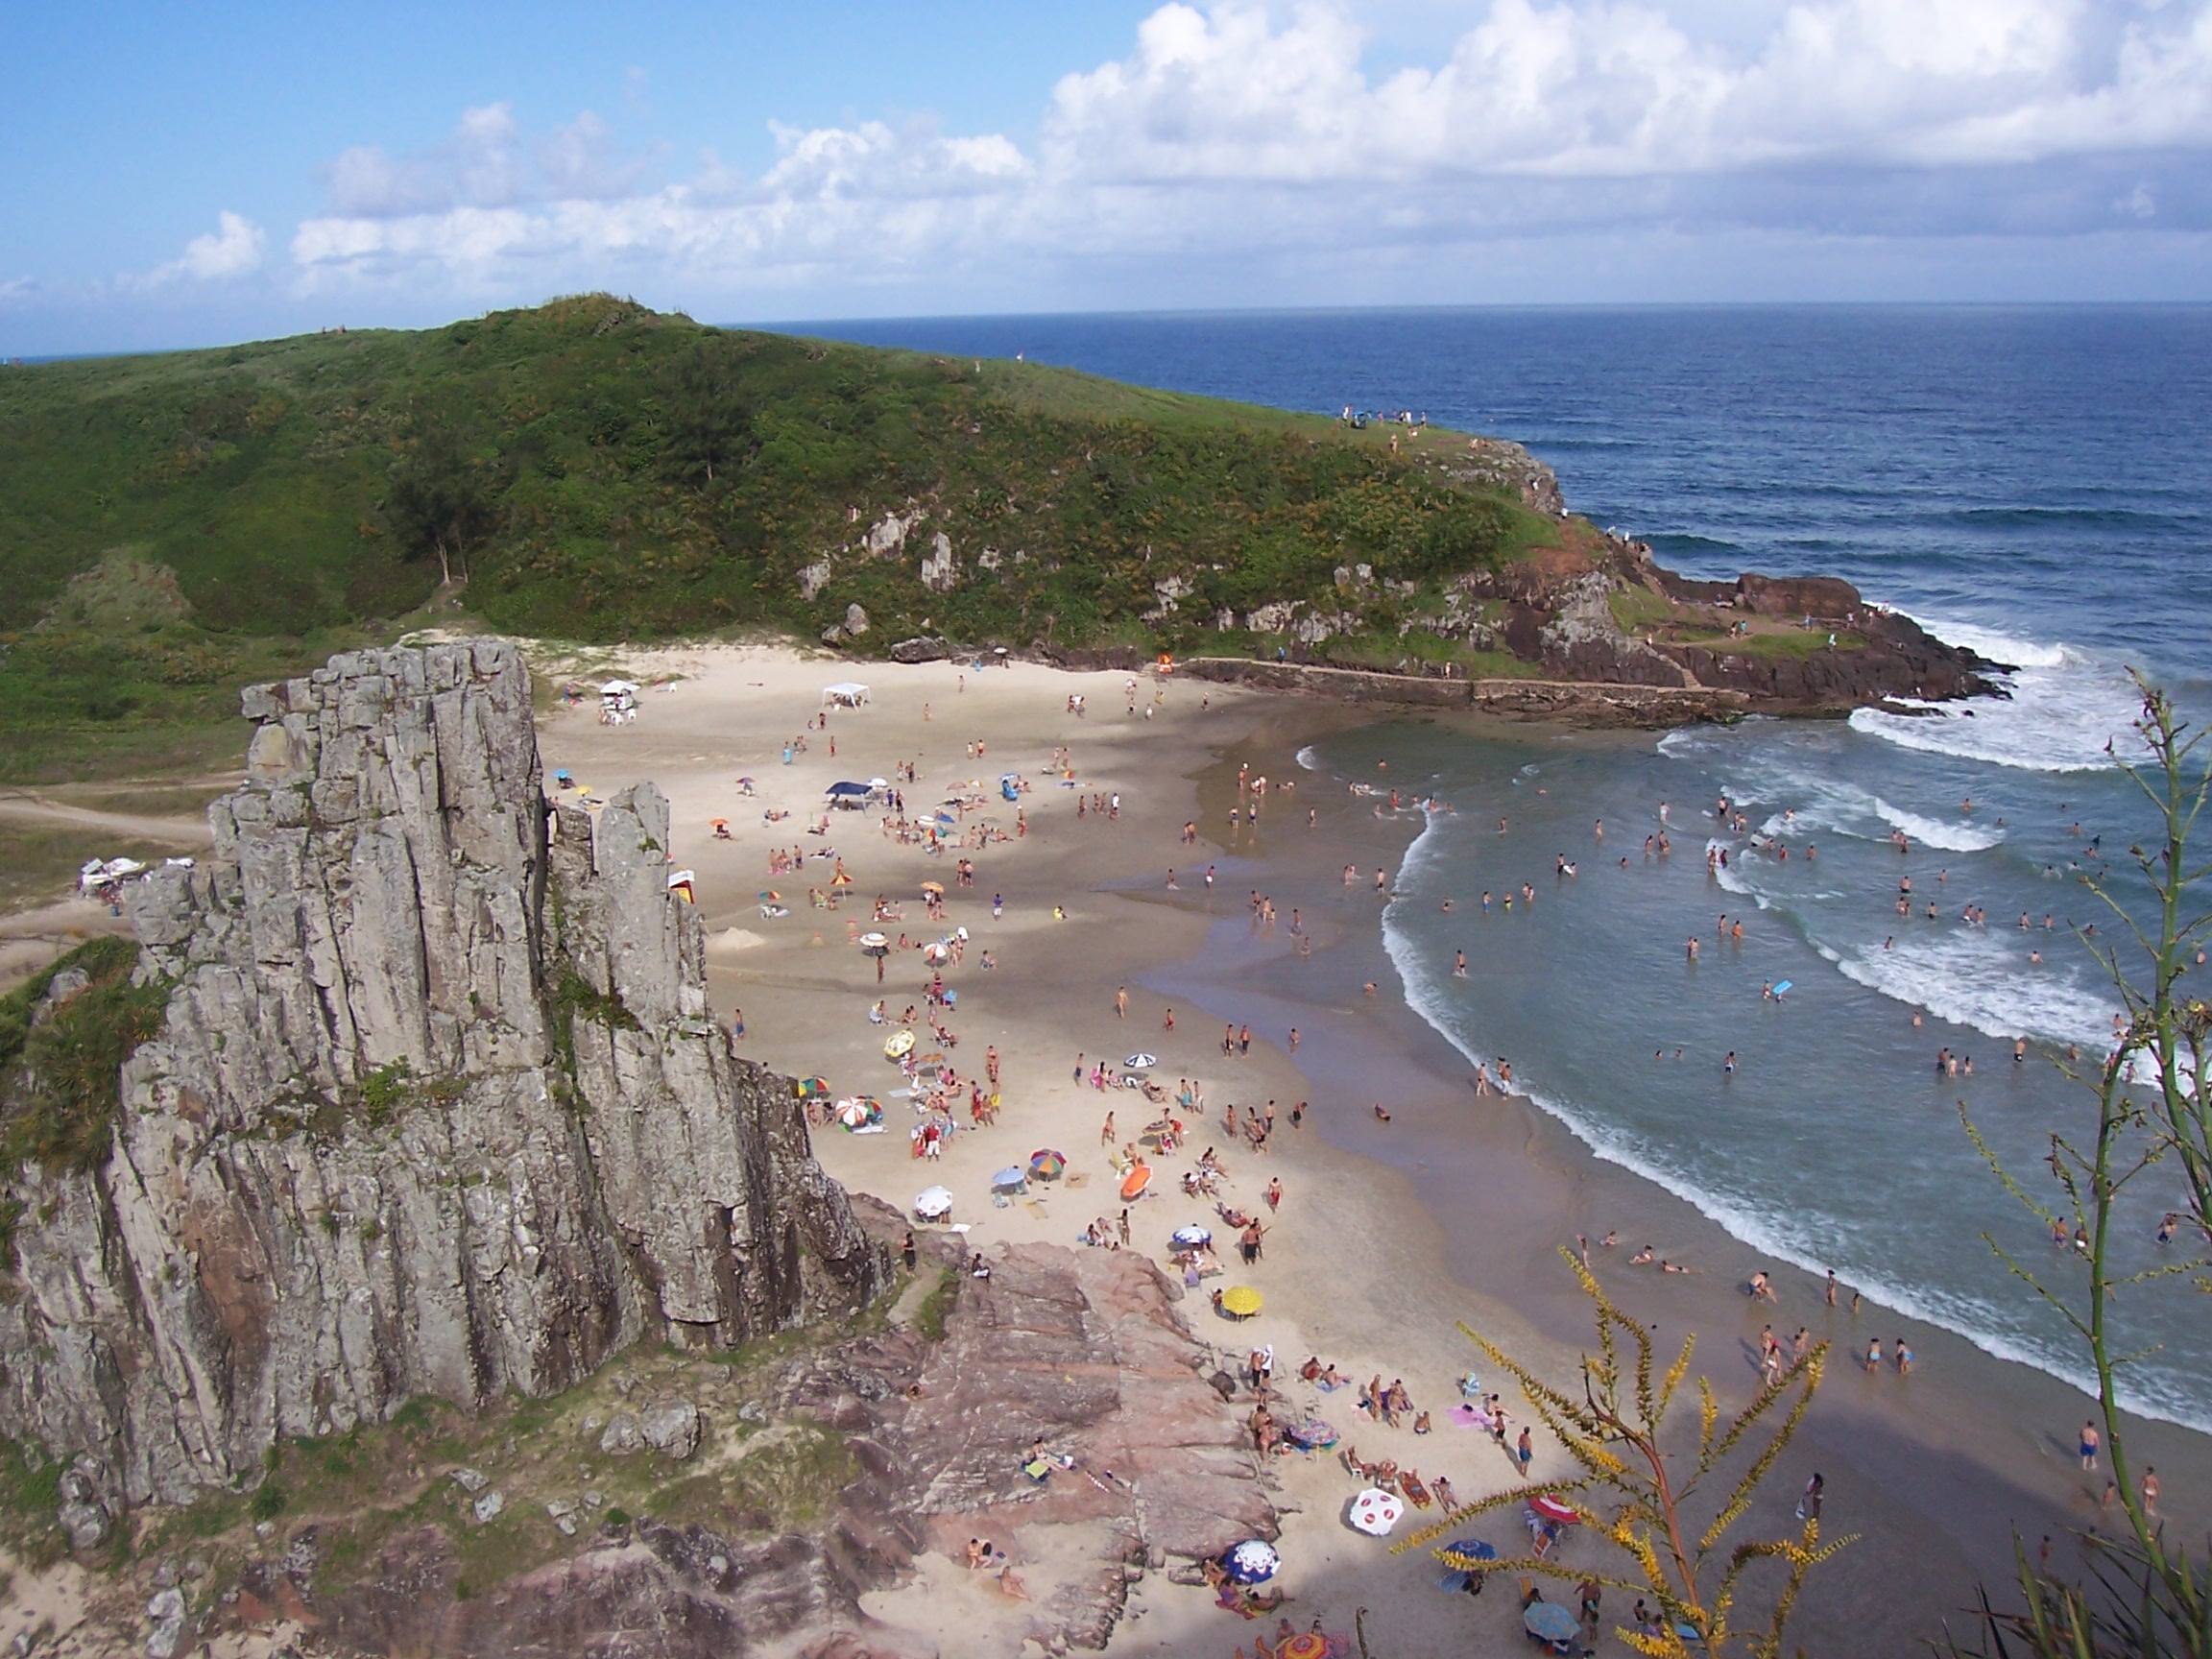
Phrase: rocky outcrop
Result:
[438,1107]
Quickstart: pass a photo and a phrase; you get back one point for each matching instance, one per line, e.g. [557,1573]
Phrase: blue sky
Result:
[172,175]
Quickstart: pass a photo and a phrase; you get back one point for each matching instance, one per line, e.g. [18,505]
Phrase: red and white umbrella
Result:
[1552,1507]
[1375,1511]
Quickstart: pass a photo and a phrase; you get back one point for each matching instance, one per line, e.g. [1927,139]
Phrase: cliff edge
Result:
[435,1109]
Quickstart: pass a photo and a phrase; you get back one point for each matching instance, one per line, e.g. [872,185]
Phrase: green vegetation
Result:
[30,1495]
[59,1088]
[589,470]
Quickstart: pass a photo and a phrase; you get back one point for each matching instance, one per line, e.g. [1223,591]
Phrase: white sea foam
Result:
[1308,759]
[2065,707]
[1971,978]
[1957,837]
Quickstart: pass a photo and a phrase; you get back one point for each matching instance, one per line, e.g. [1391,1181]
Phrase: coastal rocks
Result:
[88,1505]
[940,568]
[670,1427]
[886,538]
[924,648]
[855,621]
[166,1615]
[1083,1351]
[813,578]
[436,1107]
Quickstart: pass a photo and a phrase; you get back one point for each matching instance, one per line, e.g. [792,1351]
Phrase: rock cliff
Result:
[437,1108]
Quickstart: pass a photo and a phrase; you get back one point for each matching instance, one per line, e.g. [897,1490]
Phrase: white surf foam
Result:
[1955,837]
[1971,978]
[2065,707]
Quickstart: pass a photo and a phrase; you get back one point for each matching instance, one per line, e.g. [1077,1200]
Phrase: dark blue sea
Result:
[2033,482]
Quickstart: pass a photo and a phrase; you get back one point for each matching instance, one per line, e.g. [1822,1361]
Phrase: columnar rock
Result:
[437,1107]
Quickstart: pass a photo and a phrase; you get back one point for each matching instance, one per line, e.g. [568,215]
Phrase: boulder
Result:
[672,1428]
[166,1612]
[856,619]
[924,648]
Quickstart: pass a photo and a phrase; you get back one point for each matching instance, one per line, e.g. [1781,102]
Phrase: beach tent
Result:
[845,694]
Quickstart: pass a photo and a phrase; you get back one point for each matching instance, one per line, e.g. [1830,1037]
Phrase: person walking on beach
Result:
[1122,1003]
[1274,1193]
[2091,1442]
[1106,1133]
[1525,1452]
[1873,1356]
[2149,1490]
[1809,1503]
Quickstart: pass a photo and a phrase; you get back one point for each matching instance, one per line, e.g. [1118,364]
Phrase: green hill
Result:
[590,471]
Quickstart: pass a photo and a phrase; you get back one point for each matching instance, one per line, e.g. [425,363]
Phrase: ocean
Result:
[2035,482]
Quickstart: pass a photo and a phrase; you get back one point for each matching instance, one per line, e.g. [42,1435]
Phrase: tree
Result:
[438,500]
[705,416]
[2153,1103]
[1637,1487]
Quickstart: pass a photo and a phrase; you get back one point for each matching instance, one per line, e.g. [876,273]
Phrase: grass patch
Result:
[937,1307]
[30,1495]
[59,1089]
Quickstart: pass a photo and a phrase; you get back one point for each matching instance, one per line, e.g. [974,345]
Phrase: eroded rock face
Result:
[437,1107]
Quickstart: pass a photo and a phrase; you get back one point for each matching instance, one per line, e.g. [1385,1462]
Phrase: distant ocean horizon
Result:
[2033,481]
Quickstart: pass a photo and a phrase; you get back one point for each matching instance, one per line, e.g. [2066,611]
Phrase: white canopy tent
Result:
[845,694]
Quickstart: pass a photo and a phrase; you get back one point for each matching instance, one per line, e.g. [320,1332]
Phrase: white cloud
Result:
[1239,131]
[235,248]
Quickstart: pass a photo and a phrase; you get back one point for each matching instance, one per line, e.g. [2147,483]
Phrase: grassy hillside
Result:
[591,471]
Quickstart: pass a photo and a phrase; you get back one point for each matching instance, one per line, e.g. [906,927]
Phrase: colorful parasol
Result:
[898,1043]
[1190,1237]
[1553,1507]
[811,1086]
[1252,1562]
[1305,1644]
[1048,1165]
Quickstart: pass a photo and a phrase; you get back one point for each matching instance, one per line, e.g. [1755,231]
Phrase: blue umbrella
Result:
[847,789]
[1473,1549]
[1010,1176]
[1252,1562]
[1549,1621]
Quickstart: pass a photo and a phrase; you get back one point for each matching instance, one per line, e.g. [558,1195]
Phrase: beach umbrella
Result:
[769,896]
[1046,1165]
[1375,1511]
[811,1087]
[930,1063]
[1467,1555]
[1140,1062]
[857,1112]
[717,823]
[1252,1562]
[1190,1237]
[1305,1644]
[1314,1434]
[745,781]
[1241,1300]
[1010,1178]
[1553,1507]
[933,1202]
[936,888]
[842,791]
[878,783]
[1550,1622]
[874,941]
[897,1044]
[1136,1181]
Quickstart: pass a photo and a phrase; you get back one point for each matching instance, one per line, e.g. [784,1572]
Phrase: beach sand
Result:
[1388,1235]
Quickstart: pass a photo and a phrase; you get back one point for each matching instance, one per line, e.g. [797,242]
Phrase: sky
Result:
[182,175]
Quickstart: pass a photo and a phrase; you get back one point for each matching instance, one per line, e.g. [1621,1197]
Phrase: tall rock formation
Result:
[437,1107]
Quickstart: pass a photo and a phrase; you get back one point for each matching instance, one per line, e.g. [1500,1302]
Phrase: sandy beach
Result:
[1387,1235]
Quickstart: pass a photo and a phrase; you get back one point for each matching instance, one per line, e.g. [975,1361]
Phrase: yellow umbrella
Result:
[897,1044]
[936,888]
[1241,1300]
